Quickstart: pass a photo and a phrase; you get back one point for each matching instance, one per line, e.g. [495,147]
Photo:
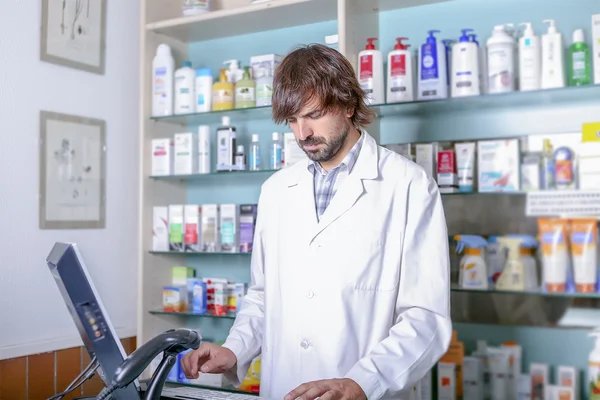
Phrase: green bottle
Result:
[245,91]
[580,68]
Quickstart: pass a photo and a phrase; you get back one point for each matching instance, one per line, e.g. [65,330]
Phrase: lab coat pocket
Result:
[370,262]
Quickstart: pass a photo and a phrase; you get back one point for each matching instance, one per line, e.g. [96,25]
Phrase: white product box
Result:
[292,153]
[175,227]
[498,165]
[162,157]
[589,166]
[228,226]
[186,158]
[426,157]
[210,228]
[596,46]
[160,229]
[191,228]
[269,62]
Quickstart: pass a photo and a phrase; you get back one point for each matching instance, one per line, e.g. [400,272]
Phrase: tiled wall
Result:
[39,376]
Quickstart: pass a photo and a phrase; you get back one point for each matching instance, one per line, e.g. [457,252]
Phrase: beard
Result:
[330,148]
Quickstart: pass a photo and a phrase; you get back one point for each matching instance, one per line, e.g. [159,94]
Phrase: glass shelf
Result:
[191,314]
[501,100]
[219,388]
[212,175]
[539,293]
[205,253]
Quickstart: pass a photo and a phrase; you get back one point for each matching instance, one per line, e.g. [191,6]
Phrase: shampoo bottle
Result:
[245,91]
[513,275]
[185,89]
[465,67]
[593,372]
[370,73]
[433,76]
[530,60]
[553,65]
[400,73]
[473,270]
[222,93]
[528,246]
[501,61]
[482,64]
[163,67]
[580,64]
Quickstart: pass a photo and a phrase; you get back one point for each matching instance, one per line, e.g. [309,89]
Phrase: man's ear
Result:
[349,112]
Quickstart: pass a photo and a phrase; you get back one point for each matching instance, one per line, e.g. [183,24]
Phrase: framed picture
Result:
[72,172]
[73,34]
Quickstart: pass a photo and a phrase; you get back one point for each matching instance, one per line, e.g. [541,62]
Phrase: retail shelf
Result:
[198,254]
[190,314]
[264,16]
[388,5]
[214,117]
[567,295]
[489,101]
[221,174]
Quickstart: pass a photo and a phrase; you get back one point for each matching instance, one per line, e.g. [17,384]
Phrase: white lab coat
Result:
[363,293]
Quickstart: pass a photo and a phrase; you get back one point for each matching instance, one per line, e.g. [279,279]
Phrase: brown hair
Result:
[322,73]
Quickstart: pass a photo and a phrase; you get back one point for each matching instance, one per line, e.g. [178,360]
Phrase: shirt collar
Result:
[348,161]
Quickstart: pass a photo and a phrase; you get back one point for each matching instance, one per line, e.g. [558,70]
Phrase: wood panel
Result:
[40,376]
[68,366]
[13,378]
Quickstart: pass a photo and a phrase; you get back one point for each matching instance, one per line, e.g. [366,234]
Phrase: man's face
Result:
[320,134]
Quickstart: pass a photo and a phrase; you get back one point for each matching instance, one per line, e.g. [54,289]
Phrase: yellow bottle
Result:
[222,93]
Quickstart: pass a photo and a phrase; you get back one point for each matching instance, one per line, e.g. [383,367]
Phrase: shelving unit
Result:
[239,29]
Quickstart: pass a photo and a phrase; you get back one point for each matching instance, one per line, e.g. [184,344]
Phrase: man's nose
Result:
[304,130]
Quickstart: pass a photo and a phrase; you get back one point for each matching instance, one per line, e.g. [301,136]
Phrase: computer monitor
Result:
[88,313]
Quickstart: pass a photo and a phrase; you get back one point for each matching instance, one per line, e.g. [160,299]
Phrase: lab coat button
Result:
[310,294]
[304,344]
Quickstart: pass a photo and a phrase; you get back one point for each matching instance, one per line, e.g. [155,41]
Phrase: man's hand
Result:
[328,389]
[209,359]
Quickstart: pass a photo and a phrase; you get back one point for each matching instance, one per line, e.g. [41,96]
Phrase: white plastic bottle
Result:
[254,156]
[400,73]
[204,83]
[553,63]
[433,77]
[501,60]
[593,372]
[204,149]
[465,67]
[370,73]
[482,64]
[185,89]
[163,67]
[473,269]
[530,60]
[264,87]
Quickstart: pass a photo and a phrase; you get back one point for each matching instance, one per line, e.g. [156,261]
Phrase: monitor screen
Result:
[88,313]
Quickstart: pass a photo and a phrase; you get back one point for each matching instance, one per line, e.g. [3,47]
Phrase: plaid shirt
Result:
[326,183]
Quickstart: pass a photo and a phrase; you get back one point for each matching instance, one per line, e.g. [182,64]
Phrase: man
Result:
[349,296]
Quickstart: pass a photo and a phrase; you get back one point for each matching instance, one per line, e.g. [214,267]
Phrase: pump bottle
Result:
[245,91]
[593,372]
[433,77]
[528,246]
[465,67]
[400,73]
[553,64]
[222,93]
[530,60]
[370,73]
[473,272]
[501,61]
[513,275]
[234,73]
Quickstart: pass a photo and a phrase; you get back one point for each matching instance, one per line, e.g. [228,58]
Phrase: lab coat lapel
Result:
[366,167]
[301,194]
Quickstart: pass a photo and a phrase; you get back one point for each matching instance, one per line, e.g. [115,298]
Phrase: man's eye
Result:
[315,116]
[291,120]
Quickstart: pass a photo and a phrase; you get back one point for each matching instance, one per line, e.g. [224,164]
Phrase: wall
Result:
[32,313]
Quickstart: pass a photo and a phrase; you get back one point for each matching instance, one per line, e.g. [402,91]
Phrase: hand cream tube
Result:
[584,243]
[555,255]
[465,161]
[567,378]
[499,369]
[539,380]
[446,381]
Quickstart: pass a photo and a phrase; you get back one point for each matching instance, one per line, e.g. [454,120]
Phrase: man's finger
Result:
[329,395]
[314,392]
[294,394]
[195,357]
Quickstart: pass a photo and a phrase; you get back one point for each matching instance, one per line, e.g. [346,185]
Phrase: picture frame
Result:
[73,34]
[72,183]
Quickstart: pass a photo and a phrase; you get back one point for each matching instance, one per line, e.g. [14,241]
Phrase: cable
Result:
[107,391]
[88,372]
